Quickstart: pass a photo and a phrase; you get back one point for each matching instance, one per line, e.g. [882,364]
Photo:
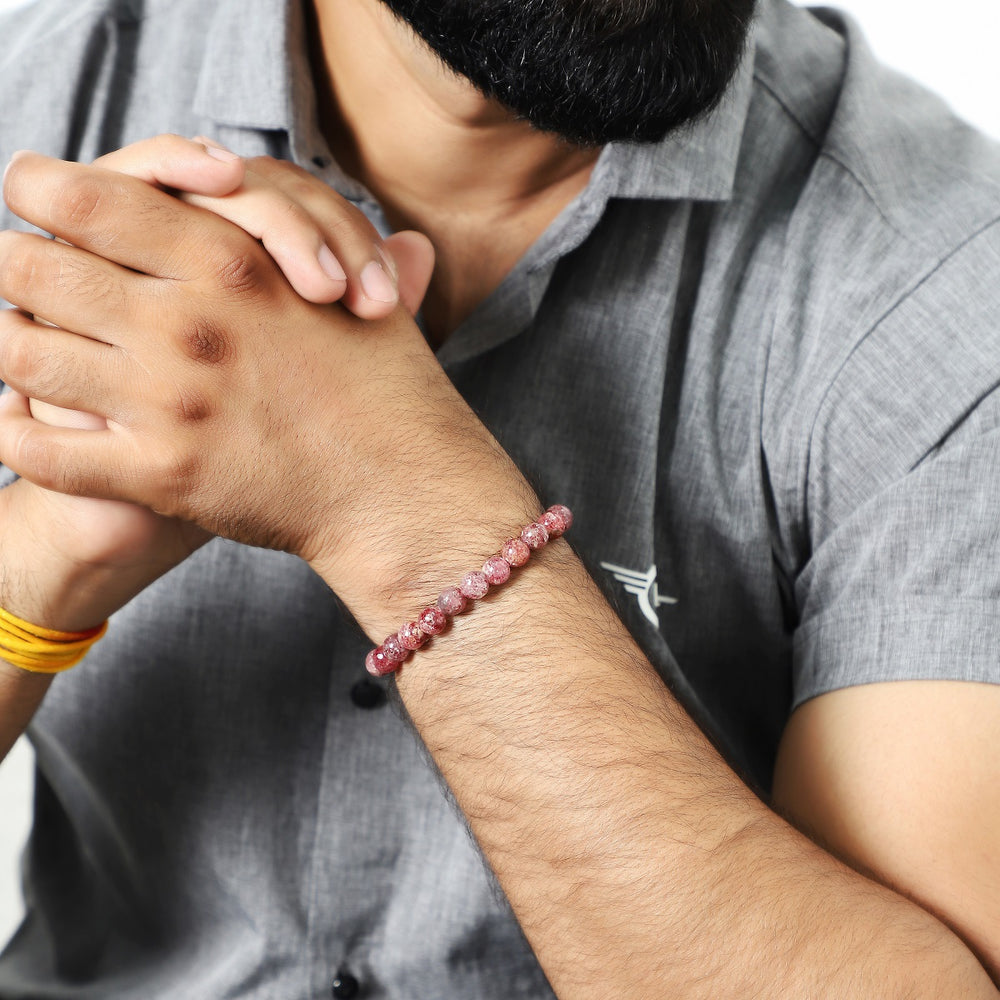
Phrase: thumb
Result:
[414,256]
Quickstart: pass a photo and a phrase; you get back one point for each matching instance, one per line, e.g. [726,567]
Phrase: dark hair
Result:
[590,70]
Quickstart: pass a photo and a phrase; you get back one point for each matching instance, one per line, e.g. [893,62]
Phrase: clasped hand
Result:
[225,397]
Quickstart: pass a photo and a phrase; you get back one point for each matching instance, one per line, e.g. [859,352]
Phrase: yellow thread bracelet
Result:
[43,650]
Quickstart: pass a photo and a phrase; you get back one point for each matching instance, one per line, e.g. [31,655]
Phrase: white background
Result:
[948,46]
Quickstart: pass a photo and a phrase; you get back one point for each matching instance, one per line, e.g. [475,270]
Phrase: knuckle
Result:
[302,183]
[345,219]
[239,270]
[73,277]
[170,142]
[275,171]
[347,231]
[293,214]
[18,267]
[43,463]
[175,470]
[347,226]
[167,147]
[204,341]
[190,406]
[24,363]
[88,286]
[79,202]
[262,164]
[50,375]
[17,360]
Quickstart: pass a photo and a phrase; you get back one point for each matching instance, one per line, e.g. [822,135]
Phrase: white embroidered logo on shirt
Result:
[643,586]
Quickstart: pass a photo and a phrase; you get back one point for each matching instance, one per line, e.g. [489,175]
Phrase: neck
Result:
[418,134]
[439,156]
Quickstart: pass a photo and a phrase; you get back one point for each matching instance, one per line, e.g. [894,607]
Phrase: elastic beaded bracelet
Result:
[43,650]
[475,585]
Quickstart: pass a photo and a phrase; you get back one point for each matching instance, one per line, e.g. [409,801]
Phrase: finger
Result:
[130,222]
[372,291]
[58,416]
[288,233]
[48,364]
[414,256]
[89,463]
[68,287]
[171,161]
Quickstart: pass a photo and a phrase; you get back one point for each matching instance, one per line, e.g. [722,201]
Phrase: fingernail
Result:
[377,284]
[330,264]
[216,149]
[221,153]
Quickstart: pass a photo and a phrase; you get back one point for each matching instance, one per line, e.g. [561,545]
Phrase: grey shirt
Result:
[759,360]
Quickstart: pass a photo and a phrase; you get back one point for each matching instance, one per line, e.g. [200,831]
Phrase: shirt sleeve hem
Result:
[927,639]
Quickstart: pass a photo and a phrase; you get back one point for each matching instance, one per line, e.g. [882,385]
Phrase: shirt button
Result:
[344,986]
[368,694]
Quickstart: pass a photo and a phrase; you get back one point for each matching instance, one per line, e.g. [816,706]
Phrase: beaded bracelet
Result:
[515,552]
[43,650]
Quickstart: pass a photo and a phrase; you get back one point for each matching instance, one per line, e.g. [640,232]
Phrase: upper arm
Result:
[902,780]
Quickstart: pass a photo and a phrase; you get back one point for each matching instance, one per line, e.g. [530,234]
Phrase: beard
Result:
[591,71]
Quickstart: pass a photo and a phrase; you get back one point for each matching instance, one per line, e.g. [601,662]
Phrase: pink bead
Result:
[474,584]
[496,569]
[557,520]
[378,664]
[432,621]
[515,552]
[565,513]
[395,651]
[534,535]
[410,636]
[452,601]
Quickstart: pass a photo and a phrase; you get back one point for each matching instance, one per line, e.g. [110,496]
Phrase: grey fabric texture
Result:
[759,360]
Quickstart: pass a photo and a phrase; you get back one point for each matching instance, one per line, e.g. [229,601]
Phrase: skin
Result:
[610,821]
[385,96]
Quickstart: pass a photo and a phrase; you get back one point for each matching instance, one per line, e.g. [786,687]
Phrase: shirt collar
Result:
[697,162]
[256,75]
[245,79]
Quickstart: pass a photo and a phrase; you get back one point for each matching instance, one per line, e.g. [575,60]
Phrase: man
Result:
[757,358]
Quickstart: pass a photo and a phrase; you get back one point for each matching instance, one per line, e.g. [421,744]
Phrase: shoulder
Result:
[886,334]
[891,185]
[913,163]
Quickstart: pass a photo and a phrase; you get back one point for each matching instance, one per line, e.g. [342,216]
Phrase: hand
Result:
[230,401]
[326,248]
[206,174]
[101,533]
[277,204]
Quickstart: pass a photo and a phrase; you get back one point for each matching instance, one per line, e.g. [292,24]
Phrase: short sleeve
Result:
[903,577]
[908,587]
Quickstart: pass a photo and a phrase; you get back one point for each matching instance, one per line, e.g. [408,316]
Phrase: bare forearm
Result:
[20,695]
[630,852]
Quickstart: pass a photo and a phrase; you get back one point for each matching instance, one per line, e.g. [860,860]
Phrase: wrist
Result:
[540,616]
[413,546]
[55,578]
[474,586]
